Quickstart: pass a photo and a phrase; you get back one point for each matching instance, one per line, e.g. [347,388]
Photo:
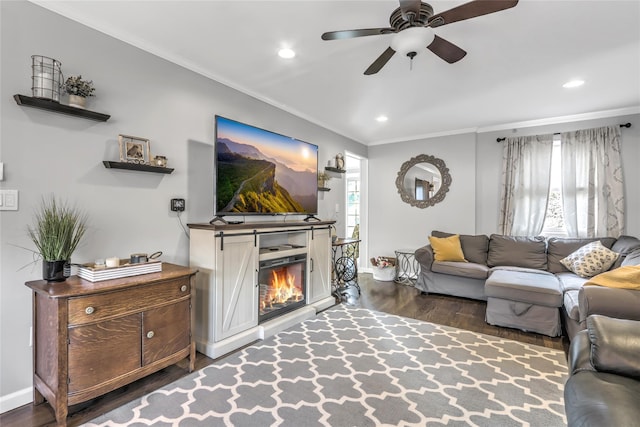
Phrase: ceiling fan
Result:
[413,24]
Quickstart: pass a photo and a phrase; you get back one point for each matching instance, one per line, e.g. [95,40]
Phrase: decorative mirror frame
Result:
[408,197]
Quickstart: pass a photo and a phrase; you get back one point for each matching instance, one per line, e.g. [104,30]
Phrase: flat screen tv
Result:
[258,172]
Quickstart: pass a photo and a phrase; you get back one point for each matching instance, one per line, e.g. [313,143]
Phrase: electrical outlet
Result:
[177,205]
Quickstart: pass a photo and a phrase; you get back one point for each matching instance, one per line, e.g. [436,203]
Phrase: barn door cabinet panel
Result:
[92,338]
[228,258]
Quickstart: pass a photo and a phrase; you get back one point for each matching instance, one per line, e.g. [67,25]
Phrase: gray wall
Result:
[472,205]
[394,224]
[45,153]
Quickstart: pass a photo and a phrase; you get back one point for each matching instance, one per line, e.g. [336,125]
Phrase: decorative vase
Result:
[55,271]
[77,101]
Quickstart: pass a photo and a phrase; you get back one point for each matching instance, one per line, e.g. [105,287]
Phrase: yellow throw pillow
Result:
[447,248]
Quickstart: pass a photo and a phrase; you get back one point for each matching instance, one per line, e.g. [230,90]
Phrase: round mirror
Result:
[423,181]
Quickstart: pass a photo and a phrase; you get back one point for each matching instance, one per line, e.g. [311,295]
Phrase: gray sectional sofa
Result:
[525,284]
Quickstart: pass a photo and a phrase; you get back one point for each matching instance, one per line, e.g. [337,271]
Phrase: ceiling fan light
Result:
[413,39]
[382,119]
[286,53]
[573,83]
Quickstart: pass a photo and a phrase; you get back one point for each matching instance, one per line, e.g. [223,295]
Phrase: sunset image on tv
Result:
[261,172]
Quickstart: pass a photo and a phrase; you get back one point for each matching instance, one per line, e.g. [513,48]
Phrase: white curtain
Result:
[526,173]
[592,182]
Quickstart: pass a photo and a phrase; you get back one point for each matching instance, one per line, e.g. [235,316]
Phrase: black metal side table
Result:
[407,268]
[345,266]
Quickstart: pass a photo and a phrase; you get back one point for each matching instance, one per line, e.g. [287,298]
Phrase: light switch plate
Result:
[9,200]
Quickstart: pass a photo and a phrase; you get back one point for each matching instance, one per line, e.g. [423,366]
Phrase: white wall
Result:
[489,168]
[394,224]
[45,152]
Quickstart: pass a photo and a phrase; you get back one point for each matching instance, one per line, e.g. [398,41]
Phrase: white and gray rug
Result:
[356,367]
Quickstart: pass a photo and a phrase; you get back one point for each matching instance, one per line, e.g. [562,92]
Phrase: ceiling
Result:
[512,75]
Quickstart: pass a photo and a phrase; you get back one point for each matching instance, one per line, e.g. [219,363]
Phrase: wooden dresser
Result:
[91,338]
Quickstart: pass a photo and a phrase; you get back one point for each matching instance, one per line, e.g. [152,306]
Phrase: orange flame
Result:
[282,289]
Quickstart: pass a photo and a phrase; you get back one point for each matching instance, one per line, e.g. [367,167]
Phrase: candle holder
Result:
[46,77]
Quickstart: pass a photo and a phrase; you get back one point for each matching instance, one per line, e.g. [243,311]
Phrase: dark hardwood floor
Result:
[388,297]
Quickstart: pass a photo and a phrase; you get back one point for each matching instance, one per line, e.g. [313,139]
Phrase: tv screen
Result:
[262,172]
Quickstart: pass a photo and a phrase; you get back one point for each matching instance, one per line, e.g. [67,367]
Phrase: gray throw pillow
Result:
[517,251]
[631,259]
[474,248]
[561,247]
[624,246]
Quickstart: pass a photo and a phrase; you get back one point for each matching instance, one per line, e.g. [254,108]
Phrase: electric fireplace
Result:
[282,286]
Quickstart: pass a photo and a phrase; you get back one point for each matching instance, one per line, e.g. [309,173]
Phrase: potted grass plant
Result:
[57,230]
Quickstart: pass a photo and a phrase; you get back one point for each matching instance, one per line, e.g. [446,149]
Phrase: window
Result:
[353,204]
[554,216]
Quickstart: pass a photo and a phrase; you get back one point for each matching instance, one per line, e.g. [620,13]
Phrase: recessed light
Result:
[382,119]
[573,83]
[286,53]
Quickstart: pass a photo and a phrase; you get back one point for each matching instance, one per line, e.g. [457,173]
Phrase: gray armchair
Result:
[603,388]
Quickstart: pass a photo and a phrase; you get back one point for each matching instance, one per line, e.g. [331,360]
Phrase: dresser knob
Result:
[150,334]
[89,310]
[183,288]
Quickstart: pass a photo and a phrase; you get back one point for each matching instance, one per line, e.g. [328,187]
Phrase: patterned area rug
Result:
[356,367]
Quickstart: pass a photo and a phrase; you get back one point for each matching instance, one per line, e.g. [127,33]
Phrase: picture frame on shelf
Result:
[134,149]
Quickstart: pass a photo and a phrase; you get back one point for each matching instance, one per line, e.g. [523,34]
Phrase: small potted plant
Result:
[323,178]
[57,231]
[78,90]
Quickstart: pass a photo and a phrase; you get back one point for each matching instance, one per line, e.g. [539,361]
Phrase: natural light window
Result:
[554,217]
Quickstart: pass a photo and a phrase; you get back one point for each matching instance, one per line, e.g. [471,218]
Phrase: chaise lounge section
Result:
[527,281]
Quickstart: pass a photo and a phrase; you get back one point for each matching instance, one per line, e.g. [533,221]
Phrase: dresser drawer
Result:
[92,308]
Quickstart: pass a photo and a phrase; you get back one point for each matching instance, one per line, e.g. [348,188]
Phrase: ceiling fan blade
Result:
[349,34]
[470,10]
[446,50]
[409,8]
[380,62]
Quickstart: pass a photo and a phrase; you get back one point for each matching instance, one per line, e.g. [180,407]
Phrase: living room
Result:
[151,97]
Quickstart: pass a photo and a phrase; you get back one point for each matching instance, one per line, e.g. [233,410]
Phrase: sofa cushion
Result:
[589,260]
[570,281]
[624,246]
[463,269]
[474,247]
[529,252]
[560,247]
[533,286]
[571,304]
[615,344]
[632,259]
[447,248]
[596,399]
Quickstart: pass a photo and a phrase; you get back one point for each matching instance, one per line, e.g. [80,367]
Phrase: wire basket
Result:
[46,77]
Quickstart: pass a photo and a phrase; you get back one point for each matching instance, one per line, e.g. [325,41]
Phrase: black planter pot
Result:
[55,271]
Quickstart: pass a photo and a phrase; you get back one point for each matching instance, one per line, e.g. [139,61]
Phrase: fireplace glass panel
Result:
[282,286]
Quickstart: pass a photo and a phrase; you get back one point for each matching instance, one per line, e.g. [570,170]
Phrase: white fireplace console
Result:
[227,258]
